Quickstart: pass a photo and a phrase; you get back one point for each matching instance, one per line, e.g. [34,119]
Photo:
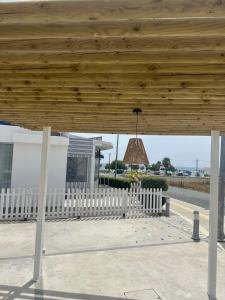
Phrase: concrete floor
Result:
[149,258]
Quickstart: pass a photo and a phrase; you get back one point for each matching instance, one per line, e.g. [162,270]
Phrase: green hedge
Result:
[122,183]
[125,183]
[154,183]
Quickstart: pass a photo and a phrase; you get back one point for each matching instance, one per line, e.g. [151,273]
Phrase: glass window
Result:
[6,154]
[77,169]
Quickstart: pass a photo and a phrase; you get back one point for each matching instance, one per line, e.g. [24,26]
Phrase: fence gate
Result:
[79,203]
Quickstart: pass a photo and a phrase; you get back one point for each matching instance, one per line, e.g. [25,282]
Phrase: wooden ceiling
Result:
[84,65]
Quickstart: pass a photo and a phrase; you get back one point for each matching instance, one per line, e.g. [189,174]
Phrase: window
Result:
[77,169]
[6,154]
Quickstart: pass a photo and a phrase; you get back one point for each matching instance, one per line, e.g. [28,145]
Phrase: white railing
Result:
[22,203]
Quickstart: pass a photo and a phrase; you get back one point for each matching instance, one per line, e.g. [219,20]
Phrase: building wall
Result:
[26,165]
[27,157]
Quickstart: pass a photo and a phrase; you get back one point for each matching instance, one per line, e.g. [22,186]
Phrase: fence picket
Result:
[160,201]
[157,200]
[48,203]
[78,195]
[111,200]
[11,204]
[154,201]
[29,203]
[63,203]
[82,196]
[148,202]
[98,204]
[87,202]
[67,202]
[53,203]
[7,204]
[119,212]
[2,203]
[143,201]
[21,203]
[72,202]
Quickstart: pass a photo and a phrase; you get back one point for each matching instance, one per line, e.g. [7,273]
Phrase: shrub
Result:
[154,183]
[134,176]
[120,183]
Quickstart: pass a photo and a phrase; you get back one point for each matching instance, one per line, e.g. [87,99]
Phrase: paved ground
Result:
[189,196]
[148,258]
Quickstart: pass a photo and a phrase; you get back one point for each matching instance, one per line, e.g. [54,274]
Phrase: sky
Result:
[182,150]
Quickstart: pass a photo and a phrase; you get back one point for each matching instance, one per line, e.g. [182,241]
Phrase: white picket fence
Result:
[76,185]
[22,203]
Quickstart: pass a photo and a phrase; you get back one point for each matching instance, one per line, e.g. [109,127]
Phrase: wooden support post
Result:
[213,215]
[221,191]
[41,204]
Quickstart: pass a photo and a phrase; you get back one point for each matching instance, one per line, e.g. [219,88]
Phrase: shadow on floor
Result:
[163,243]
[25,292]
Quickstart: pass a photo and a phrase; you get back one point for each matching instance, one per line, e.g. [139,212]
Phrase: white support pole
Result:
[221,191]
[92,177]
[41,203]
[213,215]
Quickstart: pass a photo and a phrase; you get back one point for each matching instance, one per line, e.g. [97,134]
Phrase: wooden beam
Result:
[103,84]
[127,28]
[105,108]
[22,59]
[171,70]
[113,90]
[46,74]
[116,100]
[58,11]
[111,44]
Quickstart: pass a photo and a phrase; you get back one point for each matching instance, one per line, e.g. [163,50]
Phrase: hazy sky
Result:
[183,150]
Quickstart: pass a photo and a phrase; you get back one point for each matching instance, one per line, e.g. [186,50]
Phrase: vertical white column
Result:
[41,203]
[213,215]
[92,177]
[221,191]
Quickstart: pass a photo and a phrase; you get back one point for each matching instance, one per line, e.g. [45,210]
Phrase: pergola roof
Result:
[84,65]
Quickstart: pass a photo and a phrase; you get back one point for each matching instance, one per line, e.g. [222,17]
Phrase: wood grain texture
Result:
[84,65]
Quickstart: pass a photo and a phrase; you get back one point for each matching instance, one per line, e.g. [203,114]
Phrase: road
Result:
[189,196]
[184,202]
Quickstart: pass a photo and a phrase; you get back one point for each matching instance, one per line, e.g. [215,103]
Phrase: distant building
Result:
[71,158]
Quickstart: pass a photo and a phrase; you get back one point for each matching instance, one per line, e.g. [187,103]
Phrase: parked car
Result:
[186,174]
[169,173]
[119,171]
[156,172]
[180,173]
[162,171]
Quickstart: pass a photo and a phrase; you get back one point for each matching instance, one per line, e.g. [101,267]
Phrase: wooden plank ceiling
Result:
[84,65]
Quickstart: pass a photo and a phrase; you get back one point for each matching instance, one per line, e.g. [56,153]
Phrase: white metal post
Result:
[221,191]
[213,215]
[41,203]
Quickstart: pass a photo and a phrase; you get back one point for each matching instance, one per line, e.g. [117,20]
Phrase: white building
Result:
[71,158]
